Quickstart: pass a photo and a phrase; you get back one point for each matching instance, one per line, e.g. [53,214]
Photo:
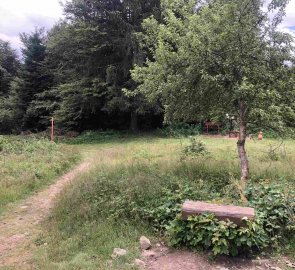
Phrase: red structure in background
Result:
[212,125]
[234,134]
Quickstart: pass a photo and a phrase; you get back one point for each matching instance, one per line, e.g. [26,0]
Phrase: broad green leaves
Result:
[206,60]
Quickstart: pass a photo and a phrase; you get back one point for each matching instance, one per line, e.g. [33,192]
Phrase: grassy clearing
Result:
[104,208]
[28,163]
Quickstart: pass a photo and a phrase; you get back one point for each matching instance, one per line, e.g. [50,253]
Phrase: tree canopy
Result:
[9,65]
[216,57]
[95,67]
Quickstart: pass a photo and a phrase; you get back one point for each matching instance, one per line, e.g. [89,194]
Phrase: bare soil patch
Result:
[165,259]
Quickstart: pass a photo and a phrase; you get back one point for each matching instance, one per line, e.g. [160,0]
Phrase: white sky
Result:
[17,16]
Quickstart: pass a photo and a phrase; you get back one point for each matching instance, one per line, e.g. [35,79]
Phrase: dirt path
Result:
[186,260]
[19,226]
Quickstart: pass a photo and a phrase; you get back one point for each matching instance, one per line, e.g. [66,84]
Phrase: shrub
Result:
[275,209]
[181,130]
[195,148]
[3,143]
[168,206]
[223,237]
[274,218]
[286,132]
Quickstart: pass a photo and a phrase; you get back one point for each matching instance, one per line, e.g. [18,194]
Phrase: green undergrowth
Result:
[138,187]
[95,137]
[181,130]
[274,222]
[28,163]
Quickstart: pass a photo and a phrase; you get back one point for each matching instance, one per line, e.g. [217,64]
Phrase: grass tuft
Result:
[28,163]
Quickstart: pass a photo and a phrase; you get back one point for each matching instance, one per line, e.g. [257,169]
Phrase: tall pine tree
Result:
[9,65]
[34,75]
[92,72]
[9,68]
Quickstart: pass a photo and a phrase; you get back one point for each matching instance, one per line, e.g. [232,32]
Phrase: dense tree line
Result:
[79,72]
[191,60]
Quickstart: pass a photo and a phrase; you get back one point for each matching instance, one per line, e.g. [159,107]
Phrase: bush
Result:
[275,209]
[181,130]
[195,148]
[223,237]
[168,206]
[126,193]
[286,132]
[274,219]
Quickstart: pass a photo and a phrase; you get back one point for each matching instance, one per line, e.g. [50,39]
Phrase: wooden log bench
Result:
[236,214]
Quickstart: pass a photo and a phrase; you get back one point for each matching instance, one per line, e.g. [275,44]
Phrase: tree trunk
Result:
[241,144]
[242,154]
[133,121]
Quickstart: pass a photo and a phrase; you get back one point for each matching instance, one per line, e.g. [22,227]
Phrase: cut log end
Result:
[236,214]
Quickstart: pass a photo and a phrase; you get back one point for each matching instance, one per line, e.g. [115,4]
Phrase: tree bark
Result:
[133,121]
[242,152]
[241,144]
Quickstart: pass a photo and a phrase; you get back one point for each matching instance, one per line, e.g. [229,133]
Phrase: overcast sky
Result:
[17,16]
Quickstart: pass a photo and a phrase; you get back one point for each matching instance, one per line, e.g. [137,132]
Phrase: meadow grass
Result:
[28,163]
[99,211]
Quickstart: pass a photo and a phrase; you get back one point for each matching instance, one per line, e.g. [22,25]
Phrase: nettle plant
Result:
[168,206]
[223,237]
[275,218]
[275,209]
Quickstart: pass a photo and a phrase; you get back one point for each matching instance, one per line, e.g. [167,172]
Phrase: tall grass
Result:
[28,163]
[104,208]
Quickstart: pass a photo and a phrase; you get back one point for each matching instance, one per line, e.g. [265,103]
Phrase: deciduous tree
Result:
[217,56]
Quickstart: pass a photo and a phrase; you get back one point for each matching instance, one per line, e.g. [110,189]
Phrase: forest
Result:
[136,64]
[78,70]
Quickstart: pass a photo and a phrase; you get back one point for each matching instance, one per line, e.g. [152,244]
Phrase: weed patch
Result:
[28,163]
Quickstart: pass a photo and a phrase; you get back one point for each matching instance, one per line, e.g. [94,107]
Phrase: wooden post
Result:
[52,129]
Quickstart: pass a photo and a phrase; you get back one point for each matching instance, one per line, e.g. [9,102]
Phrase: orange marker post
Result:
[52,129]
